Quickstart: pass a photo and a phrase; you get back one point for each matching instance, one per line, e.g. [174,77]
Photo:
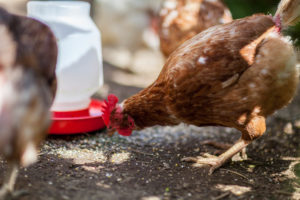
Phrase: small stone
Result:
[119,179]
[185,185]
[108,175]
[166,165]
[65,197]
[151,198]
[297,124]
[288,129]
[250,170]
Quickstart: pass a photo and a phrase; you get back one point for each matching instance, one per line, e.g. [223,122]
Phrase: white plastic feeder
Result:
[79,67]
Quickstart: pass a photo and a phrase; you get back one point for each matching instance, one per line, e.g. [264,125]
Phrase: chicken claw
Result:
[207,159]
[6,194]
[7,190]
[217,161]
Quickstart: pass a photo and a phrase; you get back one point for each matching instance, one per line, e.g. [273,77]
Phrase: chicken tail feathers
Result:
[288,13]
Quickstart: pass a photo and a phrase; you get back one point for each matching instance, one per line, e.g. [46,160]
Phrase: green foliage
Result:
[243,8]
[294,32]
[297,172]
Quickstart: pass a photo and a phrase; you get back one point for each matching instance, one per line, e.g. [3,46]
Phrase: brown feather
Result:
[180,20]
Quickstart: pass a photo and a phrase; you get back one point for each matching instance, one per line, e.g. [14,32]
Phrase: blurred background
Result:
[130,42]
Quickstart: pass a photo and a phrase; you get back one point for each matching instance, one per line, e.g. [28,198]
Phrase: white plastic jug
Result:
[79,67]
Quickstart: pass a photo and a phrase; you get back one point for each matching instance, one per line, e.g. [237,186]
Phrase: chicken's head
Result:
[115,119]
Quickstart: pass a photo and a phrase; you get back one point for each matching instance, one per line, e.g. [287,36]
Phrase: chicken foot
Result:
[7,190]
[224,146]
[217,161]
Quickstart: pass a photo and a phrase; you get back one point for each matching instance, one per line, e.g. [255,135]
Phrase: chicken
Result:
[28,55]
[231,75]
[115,16]
[127,31]
[180,20]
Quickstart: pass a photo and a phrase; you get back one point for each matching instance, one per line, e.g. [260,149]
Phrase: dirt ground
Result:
[147,165]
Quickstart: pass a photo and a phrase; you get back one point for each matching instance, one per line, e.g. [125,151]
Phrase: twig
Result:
[234,172]
[283,192]
[221,196]
[291,158]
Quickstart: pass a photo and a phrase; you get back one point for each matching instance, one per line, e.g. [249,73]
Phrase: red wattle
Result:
[125,132]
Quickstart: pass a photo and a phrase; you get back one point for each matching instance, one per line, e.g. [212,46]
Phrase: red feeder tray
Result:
[75,122]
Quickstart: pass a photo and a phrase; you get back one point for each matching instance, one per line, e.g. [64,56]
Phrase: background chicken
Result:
[27,58]
[232,75]
[127,32]
[180,20]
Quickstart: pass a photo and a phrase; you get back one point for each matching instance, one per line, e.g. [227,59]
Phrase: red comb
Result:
[110,104]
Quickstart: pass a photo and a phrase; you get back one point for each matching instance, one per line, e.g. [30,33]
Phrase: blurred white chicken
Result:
[126,27]
[15,6]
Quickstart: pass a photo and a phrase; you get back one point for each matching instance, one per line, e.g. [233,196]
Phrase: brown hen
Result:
[28,55]
[232,75]
[180,20]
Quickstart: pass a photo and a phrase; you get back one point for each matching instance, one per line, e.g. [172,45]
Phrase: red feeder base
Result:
[76,122]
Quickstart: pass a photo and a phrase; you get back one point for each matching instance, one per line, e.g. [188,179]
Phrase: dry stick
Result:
[283,192]
[221,196]
[291,158]
[234,172]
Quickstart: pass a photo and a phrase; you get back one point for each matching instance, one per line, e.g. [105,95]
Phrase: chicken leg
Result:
[215,161]
[223,147]
[254,129]
[9,182]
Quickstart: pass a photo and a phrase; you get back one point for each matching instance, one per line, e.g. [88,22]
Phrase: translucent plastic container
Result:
[79,66]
